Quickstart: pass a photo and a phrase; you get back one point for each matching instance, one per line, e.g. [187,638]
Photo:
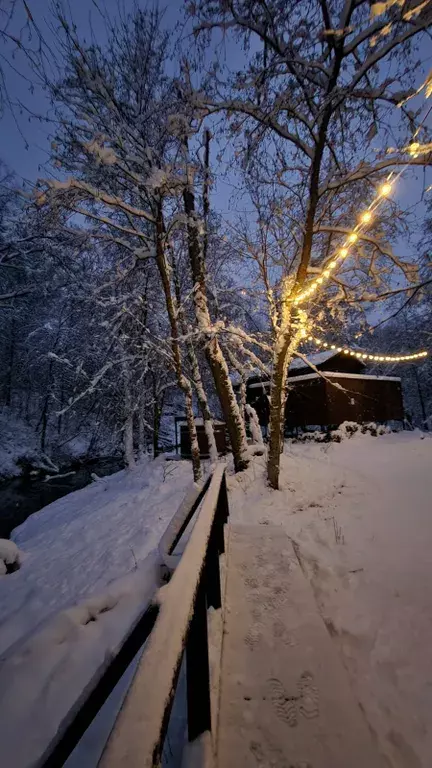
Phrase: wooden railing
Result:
[174,625]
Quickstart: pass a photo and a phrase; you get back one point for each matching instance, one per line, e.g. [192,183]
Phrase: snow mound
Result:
[9,557]
[346,430]
[19,446]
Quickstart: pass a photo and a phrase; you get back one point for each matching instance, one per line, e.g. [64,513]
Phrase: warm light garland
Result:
[342,253]
[378,358]
[414,148]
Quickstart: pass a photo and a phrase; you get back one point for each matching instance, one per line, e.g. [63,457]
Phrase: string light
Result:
[381,358]
[385,189]
[344,251]
[414,149]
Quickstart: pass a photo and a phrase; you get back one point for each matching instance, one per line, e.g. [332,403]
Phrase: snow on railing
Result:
[172,626]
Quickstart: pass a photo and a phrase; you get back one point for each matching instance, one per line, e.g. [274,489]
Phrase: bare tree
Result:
[316,89]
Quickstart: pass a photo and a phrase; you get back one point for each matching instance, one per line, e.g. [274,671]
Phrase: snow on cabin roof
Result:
[327,375]
[316,359]
[298,364]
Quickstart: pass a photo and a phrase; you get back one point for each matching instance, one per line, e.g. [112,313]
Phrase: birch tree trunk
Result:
[196,375]
[171,307]
[213,352]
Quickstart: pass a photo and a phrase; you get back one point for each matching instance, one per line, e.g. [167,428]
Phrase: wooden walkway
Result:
[285,699]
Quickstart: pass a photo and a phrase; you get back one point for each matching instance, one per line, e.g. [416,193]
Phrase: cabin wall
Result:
[365,400]
[318,401]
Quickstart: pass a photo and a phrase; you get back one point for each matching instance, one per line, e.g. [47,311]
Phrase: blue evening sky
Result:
[24,142]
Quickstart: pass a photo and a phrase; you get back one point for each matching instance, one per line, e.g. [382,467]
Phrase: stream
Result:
[22,496]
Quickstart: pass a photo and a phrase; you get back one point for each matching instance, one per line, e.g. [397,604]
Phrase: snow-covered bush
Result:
[371,427]
[383,430]
[349,427]
[346,430]
[19,446]
[9,557]
[314,437]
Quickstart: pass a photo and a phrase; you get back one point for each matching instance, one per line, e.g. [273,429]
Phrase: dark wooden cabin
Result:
[347,393]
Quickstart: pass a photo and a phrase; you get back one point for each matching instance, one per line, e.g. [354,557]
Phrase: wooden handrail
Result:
[174,622]
[138,737]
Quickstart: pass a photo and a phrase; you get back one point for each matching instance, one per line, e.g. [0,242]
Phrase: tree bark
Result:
[280,362]
[142,434]
[182,381]
[277,410]
[196,375]
[128,419]
[421,398]
[213,352]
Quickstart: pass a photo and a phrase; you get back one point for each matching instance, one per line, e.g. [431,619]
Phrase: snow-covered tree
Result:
[312,111]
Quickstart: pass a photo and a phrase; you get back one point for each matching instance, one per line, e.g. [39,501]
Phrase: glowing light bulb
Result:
[326,273]
[320,279]
[344,252]
[333,264]
[353,237]
[366,216]
[385,189]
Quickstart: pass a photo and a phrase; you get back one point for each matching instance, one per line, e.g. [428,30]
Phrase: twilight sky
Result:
[24,142]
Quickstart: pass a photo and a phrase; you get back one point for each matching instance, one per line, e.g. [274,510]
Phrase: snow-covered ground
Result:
[361,515]
[88,567]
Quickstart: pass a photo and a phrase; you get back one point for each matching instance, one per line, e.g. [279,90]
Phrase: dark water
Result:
[22,496]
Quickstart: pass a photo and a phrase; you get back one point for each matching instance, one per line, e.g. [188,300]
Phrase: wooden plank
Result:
[137,739]
[285,696]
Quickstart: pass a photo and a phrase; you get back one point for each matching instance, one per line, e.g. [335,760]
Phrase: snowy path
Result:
[361,514]
[285,697]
